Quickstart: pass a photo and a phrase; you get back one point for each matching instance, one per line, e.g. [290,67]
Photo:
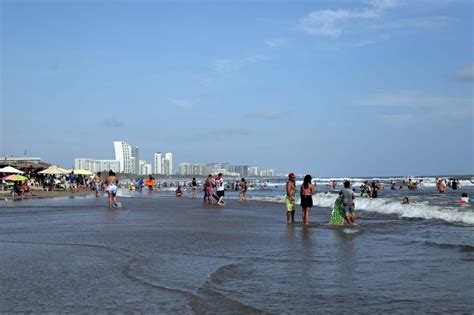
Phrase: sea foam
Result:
[389,206]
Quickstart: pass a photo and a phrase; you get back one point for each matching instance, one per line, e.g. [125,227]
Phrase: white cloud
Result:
[234,65]
[329,22]
[373,17]
[466,73]
[275,42]
[181,103]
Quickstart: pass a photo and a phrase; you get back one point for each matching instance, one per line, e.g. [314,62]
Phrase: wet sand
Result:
[46,194]
[161,254]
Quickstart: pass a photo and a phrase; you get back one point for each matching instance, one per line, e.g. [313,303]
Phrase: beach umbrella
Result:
[15,177]
[53,170]
[80,172]
[10,170]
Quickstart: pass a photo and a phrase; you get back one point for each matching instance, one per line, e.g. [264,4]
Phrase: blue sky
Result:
[331,88]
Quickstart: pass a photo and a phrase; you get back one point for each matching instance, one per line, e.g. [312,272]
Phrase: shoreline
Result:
[41,194]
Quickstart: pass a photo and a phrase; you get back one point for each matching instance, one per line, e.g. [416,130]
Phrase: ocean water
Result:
[162,254]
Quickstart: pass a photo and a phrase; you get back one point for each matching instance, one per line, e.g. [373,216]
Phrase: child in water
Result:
[405,201]
[179,192]
[464,199]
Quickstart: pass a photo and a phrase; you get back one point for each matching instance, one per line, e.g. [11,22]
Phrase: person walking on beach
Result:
[290,198]
[243,190]
[208,190]
[348,203]
[194,187]
[73,182]
[220,189]
[111,182]
[97,184]
[306,195]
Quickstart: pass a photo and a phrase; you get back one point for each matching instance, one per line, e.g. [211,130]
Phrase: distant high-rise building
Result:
[95,166]
[168,163]
[267,173]
[135,152]
[243,170]
[145,168]
[158,163]
[163,165]
[253,171]
[200,169]
[186,169]
[123,154]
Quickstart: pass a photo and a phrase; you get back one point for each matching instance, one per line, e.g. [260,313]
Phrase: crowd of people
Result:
[214,191]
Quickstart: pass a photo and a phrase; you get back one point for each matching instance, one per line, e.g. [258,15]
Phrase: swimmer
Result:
[464,199]
[405,201]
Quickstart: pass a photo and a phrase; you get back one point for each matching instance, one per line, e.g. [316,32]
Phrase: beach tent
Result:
[10,170]
[53,170]
[80,172]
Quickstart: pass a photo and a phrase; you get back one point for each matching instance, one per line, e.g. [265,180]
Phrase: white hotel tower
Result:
[158,163]
[123,154]
[163,165]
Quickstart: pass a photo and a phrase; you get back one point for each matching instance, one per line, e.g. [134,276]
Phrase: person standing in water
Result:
[97,184]
[220,189]
[290,198]
[441,186]
[111,182]
[208,190]
[306,194]
[243,190]
[194,187]
[348,203]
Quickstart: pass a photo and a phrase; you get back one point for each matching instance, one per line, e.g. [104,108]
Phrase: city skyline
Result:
[127,161]
[329,88]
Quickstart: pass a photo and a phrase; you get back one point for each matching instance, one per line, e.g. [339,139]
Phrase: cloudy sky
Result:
[331,88]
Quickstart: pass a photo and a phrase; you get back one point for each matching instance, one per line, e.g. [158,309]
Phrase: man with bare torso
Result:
[111,183]
[290,198]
